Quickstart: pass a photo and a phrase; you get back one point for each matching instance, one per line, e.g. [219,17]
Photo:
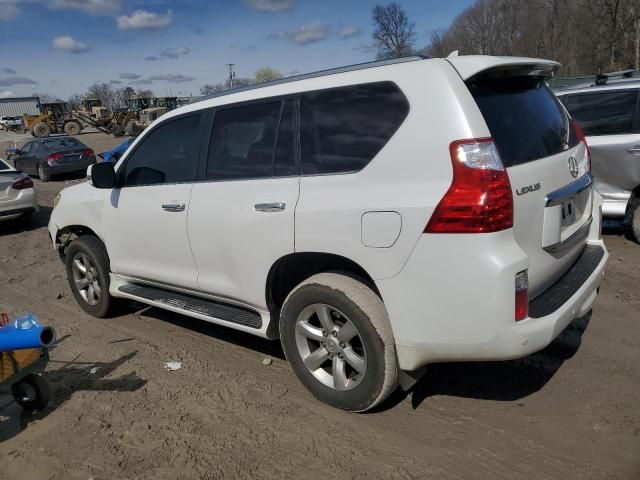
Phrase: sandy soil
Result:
[568,412]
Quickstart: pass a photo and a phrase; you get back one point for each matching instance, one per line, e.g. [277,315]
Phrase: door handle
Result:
[270,207]
[173,207]
[635,150]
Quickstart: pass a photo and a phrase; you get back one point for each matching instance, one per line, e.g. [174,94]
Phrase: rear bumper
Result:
[25,203]
[68,167]
[460,306]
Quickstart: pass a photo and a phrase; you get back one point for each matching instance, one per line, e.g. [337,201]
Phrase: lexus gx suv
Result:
[374,219]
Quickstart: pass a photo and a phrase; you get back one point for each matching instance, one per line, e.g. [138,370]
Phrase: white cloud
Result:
[93,7]
[8,9]
[144,20]
[152,58]
[171,78]
[304,34]
[7,82]
[271,6]
[174,52]
[69,44]
[7,94]
[349,31]
[130,76]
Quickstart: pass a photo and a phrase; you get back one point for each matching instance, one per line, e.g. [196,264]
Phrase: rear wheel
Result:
[72,128]
[337,338]
[41,130]
[632,219]
[43,175]
[87,266]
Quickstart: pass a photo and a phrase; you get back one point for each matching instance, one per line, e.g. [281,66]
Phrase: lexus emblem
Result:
[573,167]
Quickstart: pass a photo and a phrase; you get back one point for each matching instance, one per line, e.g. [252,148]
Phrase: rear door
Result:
[609,120]
[547,164]
[241,218]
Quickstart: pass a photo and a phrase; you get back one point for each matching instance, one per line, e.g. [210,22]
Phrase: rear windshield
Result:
[62,143]
[524,117]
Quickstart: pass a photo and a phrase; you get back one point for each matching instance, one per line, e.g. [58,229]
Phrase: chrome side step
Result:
[192,304]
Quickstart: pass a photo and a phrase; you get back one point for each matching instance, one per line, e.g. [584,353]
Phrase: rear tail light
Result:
[522,295]
[53,158]
[582,138]
[22,184]
[479,199]
[87,152]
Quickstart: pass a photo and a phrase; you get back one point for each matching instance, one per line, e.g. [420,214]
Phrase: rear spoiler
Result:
[482,66]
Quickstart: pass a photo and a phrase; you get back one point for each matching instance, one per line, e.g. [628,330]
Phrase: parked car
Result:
[18,198]
[50,156]
[609,117]
[375,218]
[11,123]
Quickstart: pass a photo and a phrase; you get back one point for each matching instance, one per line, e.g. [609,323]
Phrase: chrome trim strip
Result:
[556,197]
[560,248]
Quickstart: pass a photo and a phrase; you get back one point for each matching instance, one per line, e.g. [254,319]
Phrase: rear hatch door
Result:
[545,157]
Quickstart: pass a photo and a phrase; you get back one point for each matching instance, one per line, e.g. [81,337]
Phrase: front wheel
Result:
[87,265]
[632,220]
[337,338]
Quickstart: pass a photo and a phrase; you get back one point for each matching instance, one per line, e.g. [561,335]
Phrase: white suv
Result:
[374,218]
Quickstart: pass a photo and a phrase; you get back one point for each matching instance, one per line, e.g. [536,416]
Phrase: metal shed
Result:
[18,106]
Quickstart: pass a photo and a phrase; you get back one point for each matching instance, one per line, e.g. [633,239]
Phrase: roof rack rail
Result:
[603,78]
[320,73]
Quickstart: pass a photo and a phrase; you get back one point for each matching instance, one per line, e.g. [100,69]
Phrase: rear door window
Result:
[169,154]
[243,142]
[524,117]
[604,113]
[343,129]
[285,162]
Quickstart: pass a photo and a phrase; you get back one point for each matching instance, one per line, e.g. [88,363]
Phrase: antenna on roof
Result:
[455,53]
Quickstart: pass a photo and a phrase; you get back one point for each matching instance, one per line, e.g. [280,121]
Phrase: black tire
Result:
[72,128]
[94,249]
[360,305]
[43,175]
[41,130]
[32,393]
[632,219]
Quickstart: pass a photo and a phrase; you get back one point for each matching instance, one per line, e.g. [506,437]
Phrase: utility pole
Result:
[232,74]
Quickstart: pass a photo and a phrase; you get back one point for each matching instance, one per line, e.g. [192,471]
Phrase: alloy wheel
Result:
[331,347]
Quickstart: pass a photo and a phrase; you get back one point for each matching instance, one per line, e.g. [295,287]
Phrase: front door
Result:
[241,218]
[147,218]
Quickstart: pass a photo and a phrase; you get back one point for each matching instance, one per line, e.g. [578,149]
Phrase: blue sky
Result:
[174,47]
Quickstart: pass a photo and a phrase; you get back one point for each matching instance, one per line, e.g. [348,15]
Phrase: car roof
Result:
[631,83]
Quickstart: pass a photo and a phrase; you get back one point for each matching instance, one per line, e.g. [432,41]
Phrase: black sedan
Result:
[49,156]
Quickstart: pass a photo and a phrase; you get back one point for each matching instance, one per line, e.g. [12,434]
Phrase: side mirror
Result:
[102,175]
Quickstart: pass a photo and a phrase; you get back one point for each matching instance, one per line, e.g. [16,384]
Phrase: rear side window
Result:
[606,113]
[343,129]
[4,166]
[524,117]
[169,154]
[243,142]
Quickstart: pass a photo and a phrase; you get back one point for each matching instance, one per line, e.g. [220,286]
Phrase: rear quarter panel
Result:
[409,175]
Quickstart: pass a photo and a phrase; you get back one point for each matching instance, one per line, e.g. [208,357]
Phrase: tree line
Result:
[585,36]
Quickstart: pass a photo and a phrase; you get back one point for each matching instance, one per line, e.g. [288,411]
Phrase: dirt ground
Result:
[568,412]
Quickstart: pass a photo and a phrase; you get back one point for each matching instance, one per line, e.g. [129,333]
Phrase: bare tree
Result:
[266,74]
[394,34]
